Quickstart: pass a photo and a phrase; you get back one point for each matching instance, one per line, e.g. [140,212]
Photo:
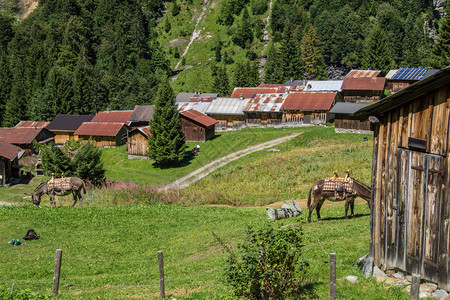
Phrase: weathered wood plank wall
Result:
[410,218]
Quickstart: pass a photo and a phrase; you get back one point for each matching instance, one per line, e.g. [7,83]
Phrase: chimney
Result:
[241,96]
[304,82]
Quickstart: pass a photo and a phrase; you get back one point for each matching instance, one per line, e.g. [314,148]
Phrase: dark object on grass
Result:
[31,235]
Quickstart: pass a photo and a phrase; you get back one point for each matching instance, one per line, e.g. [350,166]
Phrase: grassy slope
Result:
[110,252]
[120,168]
[196,74]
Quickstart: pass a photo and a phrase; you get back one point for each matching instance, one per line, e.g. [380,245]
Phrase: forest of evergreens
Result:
[82,56]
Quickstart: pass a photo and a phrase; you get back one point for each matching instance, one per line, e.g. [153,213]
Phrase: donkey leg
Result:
[311,208]
[347,202]
[75,198]
[318,207]
[52,200]
[352,206]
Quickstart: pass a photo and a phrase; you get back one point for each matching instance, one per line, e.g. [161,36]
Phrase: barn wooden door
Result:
[419,198]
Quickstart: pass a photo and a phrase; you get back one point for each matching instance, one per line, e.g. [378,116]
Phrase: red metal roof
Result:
[270,85]
[113,116]
[19,135]
[8,151]
[29,124]
[199,117]
[364,83]
[99,129]
[363,73]
[308,101]
[249,92]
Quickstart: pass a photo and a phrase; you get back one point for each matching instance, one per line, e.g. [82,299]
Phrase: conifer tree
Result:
[272,67]
[377,54]
[221,83]
[441,49]
[313,62]
[87,163]
[166,143]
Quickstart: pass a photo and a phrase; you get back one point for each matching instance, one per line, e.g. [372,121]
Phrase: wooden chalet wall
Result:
[194,132]
[137,143]
[106,141]
[62,137]
[263,118]
[341,122]
[361,96]
[305,117]
[228,121]
[410,216]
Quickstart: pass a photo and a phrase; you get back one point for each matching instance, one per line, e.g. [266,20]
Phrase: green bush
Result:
[268,263]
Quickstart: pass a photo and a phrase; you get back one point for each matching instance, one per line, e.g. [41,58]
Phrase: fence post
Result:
[57,271]
[162,293]
[415,285]
[332,276]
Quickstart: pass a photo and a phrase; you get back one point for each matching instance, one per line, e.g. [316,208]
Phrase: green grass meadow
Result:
[110,250]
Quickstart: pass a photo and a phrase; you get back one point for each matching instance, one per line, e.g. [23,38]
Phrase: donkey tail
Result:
[84,186]
[309,198]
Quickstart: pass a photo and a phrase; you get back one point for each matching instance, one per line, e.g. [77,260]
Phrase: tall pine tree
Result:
[313,62]
[221,83]
[377,54]
[441,49]
[166,143]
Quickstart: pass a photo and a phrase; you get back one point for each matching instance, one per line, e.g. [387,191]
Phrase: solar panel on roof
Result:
[410,73]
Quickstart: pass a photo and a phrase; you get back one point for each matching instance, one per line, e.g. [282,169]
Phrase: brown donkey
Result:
[69,185]
[358,189]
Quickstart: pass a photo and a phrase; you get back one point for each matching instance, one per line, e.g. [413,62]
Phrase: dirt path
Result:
[214,165]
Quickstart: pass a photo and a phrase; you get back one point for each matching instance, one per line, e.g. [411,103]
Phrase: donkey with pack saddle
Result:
[337,189]
[60,187]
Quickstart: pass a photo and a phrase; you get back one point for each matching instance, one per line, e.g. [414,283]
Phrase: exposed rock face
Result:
[439,6]
[25,7]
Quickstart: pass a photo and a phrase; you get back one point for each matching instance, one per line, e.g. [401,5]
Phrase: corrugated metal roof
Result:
[185,97]
[364,83]
[68,122]
[121,116]
[29,124]
[144,130]
[19,135]
[323,85]
[406,95]
[141,113]
[9,151]
[99,129]
[250,92]
[227,106]
[309,101]
[411,74]
[390,74]
[363,73]
[198,106]
[347,107]
[265,103]
[199,117]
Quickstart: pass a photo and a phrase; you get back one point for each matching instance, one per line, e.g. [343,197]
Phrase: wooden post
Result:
[415,285]
[332,276]
[12,288]
[162,293]
[57,272]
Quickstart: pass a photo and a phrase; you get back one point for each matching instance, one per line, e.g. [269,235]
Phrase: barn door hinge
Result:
[417,168]
[431,264]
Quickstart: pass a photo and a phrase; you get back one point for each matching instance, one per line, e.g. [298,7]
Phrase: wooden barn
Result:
[363,86]
[196,126]
[102,133]
[410,219]
[229,112]
[397,80]
[137,142]
[344,122]
[264,109]
[308,107]
[23,137]
[64,126]
[9,161]
[141,116]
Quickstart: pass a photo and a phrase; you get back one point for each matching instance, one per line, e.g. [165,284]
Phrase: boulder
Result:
[352,278]
[424,295]
[368,267]
[378,272]
[362,260]
[440,294]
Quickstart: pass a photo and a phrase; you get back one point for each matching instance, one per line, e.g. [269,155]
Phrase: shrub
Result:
[54,160]
[21,294]
[87,163]
[268,264]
